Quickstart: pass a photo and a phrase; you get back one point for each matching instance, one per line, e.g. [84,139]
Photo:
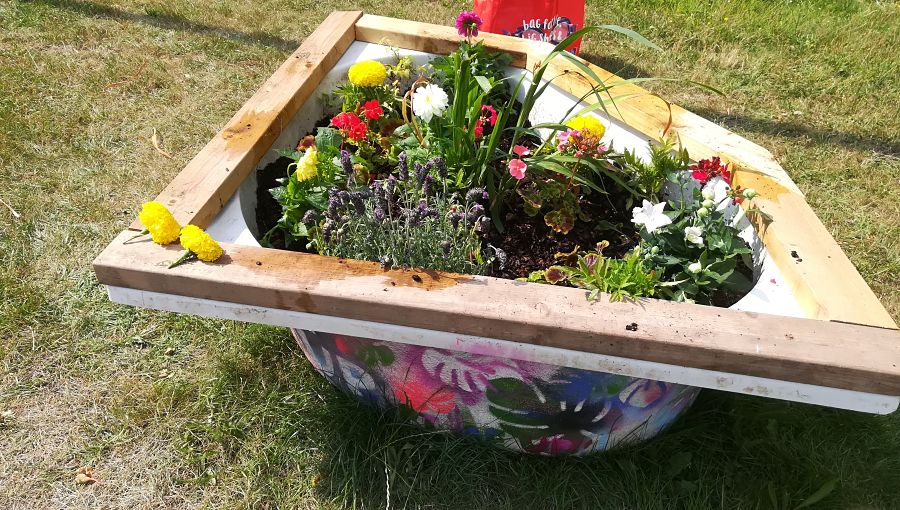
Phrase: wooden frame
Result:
[862,356]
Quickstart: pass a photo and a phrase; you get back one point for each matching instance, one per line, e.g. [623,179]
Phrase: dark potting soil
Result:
[531,245]
[268,210]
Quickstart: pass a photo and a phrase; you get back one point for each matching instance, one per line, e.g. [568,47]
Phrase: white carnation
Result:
[429,101]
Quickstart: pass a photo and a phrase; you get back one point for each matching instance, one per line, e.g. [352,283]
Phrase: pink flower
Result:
[479,130]
[468,23]
[517,169]
[563,138]
[521,151]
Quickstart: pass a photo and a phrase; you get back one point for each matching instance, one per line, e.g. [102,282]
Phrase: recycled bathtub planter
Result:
[534,367]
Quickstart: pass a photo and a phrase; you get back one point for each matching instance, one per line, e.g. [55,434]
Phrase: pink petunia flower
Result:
[517,168]
[521,151]
[468,23]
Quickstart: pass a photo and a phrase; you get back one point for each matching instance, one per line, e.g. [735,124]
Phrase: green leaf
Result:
[631,34]
[328,137]
[484,83]
[823,492]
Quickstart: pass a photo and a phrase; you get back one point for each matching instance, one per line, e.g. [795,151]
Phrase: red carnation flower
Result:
[372,110]
[706,169]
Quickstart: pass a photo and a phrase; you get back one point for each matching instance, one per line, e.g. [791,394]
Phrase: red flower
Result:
[350,125]
[706,169]
[372,110]
[489,113]
[479,129]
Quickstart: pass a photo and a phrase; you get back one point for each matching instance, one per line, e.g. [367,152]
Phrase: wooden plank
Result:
[822,353]
[439,39]
[200,191]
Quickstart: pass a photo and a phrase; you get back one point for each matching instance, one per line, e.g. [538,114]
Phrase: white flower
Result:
[694,235]
[708,194]
[719,189]
[695,267]
[650,216]
[429,101]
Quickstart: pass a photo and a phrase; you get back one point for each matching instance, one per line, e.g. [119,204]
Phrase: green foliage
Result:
[723,257]
[648,178]
[491,65]
[297,197]
[626,278]
[558,196]
[454,136]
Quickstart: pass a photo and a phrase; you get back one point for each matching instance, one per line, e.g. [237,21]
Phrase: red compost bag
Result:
[540,20]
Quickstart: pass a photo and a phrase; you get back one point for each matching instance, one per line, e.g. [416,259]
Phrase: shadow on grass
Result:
[159,18]
[271,423]
[789,129]
[615,65]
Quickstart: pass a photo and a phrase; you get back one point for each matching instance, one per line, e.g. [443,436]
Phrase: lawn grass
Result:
[183,412]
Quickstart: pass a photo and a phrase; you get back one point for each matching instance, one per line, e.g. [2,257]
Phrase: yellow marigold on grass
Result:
[306,166]
[367,73]
[201,244]
[587,123]
[159,222]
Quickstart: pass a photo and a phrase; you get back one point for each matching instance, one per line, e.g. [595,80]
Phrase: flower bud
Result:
[654,250]
[708,194]
[708,203]
[750,193]
[703,211]
[695,267]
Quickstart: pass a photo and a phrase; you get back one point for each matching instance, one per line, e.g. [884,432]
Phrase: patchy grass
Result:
[184,412]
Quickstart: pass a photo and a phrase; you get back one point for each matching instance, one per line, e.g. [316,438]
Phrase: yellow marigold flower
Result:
[201,244]
[587,123]
[367,73]
[159,222]
[306,166]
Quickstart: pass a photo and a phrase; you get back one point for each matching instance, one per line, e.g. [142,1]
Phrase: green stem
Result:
[143,233]
[188,255]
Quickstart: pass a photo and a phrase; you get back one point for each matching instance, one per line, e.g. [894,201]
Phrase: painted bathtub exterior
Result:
[525,406]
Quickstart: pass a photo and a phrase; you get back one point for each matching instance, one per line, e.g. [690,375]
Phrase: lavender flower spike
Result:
[421,172]
[403,167]
[311,216]
[476,195]
[441,166]
[346,165]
